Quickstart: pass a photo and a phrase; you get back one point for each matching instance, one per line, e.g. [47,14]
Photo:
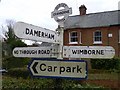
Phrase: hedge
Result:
[106,64]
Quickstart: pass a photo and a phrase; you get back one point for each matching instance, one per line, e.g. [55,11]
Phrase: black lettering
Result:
[98,52]
[31,32]
[32,52]
[68,69]
[81,51]
[55,68]
[36,33]
[42,34]
[16,52]
[43,51]
[48,52]
[52,37]
[24,52]
[85,51]
[73,69]
[74,51]
[46,34]
[89,52]
[39,51]
[49,36]
[39,34]
[27,31]
[79,69]
[60,13]
[102,52]
[93,52]
[42,67]
[50,68]
[62,69]
[21,52]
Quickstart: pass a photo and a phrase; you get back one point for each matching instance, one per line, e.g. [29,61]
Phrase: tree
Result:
[12,40]
[9,44]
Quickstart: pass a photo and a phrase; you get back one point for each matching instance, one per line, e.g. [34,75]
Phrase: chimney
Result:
[82,10]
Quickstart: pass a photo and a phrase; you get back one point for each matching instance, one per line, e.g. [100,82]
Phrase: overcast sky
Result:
[38,12]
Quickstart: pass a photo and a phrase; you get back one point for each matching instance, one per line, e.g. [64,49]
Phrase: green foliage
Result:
[12,40]
[14,62]
[10,43]
[17,43]
[20,78]
[27,84]
[19,72]
[43,83]
[106,64]
[10,34]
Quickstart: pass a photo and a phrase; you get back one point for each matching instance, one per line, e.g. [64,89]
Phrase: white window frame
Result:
[97,42]
[80,38]
[76,42]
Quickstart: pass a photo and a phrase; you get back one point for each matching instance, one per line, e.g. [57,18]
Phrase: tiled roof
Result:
[93,20]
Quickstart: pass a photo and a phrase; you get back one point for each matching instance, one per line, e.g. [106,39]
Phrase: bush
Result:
[14,62]
[106,64]
[19,72]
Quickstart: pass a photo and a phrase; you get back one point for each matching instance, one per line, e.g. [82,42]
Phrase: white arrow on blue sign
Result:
[51,68]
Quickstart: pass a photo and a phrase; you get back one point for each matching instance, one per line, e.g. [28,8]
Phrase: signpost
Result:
[35,52]
[57,68]
[61,15]
[31,32]
[105,52]
[50,68]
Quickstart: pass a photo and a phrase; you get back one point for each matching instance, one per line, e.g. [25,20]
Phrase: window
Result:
[97,38]
[73,37]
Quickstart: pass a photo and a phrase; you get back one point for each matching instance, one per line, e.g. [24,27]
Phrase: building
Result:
[95,29]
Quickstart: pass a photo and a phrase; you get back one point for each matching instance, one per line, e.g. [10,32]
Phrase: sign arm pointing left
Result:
[36,33]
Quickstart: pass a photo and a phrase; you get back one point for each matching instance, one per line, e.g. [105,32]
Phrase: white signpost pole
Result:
[56,14]
[60,46]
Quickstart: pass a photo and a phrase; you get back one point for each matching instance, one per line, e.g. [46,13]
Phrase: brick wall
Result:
[87,37]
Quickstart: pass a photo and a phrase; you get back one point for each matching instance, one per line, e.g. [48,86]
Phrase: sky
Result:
[38,12]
